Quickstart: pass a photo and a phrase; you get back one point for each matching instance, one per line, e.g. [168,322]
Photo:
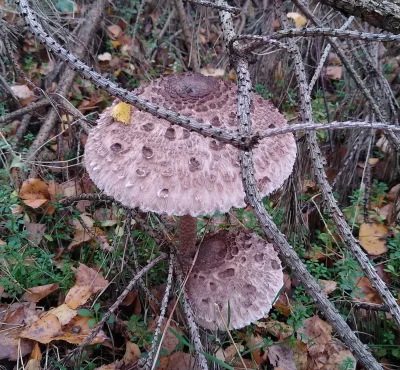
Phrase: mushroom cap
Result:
[238,267]
[164,168]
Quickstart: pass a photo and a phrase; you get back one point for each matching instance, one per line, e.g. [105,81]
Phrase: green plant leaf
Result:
[85,312]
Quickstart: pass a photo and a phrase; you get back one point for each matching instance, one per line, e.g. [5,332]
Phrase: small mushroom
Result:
[159,167]
[235,269]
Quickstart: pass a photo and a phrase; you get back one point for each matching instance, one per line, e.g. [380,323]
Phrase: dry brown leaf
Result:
[366,292]
[34,193]
[371,238]
[386,211]
[334,73]
[282,356]
[276,328]
[113,366]
[32,365]
[78,330]
[71,188]
[170,340]
[35,232]
[64,313]
[338,357]
[77,296]
[315,331]
[283,304]
[36,354]
[80,234]
[114,30]
[37,293]
[255,340]
[44,330]
[392,194]
[88,282]
[12,317]
[327,286]
[132,353]
[182,361]
[22,91]
[215,72]
[300,357]
[104,57]
[299,20]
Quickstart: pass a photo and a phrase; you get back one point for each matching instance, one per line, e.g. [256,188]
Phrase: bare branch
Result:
[253,196]
[259,40]
[211,4]
[327,126]
[193,60]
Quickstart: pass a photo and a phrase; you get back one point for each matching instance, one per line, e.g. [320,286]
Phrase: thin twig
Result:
[211,4]
[148,361]
[193,60]
[325,56]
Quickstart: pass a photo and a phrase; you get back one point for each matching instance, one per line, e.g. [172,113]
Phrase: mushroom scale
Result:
[164,168]
[238,267]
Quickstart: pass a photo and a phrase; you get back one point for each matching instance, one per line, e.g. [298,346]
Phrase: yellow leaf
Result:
[371,238]
[299,20]
[122,113]
[115,43]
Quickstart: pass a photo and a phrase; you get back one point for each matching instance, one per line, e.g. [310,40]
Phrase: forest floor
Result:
[63,265]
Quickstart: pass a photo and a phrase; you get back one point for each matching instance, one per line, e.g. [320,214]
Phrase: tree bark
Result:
[384,14]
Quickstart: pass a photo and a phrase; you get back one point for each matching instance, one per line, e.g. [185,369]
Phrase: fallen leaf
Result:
[299,20]
[48,328]
[276,328]
[327,286]
[371,238]
[365,292]
[35,232]
[254,341]
[44,330]
[182,361]
[37,293]
[22,91]
[334,73]
[88,282]
[315,331]
[170,340]
[122,113]
[104,57]
[34,193]
[215,72]
[132,353]
[392,194]
[281,356]
[63,313]
[12,318]
[114,30]
[77,331]
[386,211]
[36,354]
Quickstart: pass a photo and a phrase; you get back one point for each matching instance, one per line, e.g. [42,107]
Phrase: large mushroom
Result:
[235,269]
[158,167]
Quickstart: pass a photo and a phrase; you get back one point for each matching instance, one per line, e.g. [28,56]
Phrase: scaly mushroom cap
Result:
[158,167]
[237,267]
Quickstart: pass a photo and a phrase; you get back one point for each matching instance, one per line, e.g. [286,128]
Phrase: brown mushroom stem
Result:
[187,228]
